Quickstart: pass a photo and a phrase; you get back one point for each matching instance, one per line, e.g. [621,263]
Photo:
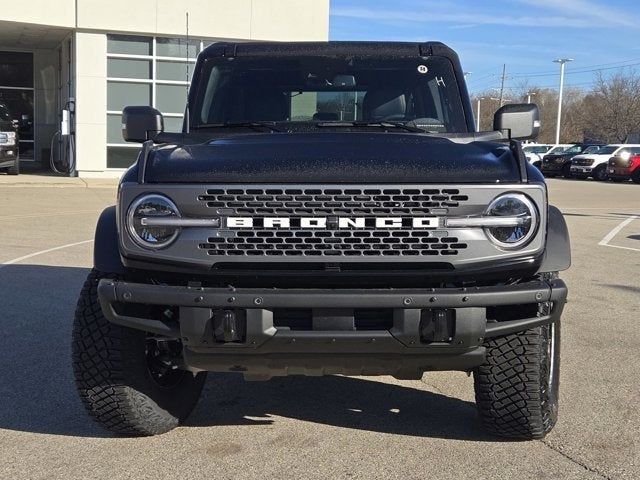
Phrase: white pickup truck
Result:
[595,164]
[535,151]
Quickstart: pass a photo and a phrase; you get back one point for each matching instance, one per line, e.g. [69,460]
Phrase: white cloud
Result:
[598,12]
[571,14]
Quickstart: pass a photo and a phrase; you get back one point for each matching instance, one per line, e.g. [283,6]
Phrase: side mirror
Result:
[140,124]
[520,120]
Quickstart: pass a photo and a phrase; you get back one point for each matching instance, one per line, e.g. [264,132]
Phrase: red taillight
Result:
[634,163]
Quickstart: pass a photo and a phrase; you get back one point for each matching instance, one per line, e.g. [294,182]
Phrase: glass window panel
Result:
[128,68]
[304,106]
[26,150]
[129,44]
[114,129]
[171,98]
[16,69]
[122,94]
[173,70]
[19,105]
[173,124]
[121,157]
[175,47]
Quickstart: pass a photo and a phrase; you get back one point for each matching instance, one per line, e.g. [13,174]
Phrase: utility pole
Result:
[562,62]
[504,74]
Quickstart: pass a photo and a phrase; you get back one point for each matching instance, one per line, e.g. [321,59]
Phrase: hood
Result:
[552,156]
[351,157]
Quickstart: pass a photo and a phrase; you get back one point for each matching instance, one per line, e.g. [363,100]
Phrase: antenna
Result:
[187,119]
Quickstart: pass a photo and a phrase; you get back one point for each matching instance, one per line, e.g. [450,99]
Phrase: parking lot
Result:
[331,427]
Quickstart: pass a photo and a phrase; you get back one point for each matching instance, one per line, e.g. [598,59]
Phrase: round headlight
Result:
[147,221]
[523,221]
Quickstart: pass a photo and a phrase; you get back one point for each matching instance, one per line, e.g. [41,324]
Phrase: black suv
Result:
[9,158]
[559,162]
[328,209]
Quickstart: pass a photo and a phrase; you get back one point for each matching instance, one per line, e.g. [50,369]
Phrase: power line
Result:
[574,71]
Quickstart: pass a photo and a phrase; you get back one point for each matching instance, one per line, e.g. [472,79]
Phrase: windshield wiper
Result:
[382,124]
[258,126]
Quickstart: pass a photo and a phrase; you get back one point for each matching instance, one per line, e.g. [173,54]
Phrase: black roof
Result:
[229,49]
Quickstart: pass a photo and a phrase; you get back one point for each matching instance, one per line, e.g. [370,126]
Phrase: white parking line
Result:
[42,252]
[610,236]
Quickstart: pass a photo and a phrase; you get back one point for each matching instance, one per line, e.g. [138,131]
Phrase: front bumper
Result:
[552,167]
[8,153]
[619,172]
[268,349]
[580,169]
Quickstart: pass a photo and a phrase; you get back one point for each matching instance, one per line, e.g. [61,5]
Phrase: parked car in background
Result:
[558,160]
[535,151]
[620,169]
[595,164]
[9,159]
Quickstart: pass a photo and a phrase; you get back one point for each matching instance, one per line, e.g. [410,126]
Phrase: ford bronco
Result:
[327,209]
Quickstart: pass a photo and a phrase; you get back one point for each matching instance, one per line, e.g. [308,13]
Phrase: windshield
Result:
[593,149]
[560,149]
[607,150]
[536,149]
[329,89]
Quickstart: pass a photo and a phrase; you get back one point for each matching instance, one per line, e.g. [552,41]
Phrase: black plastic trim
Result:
[106,253]
[557,254]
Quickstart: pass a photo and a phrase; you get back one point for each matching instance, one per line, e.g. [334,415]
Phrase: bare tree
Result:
[611,111]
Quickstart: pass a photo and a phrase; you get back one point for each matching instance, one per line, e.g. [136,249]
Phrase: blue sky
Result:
[525,34]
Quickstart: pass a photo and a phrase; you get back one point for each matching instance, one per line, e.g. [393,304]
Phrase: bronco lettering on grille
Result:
[333,222]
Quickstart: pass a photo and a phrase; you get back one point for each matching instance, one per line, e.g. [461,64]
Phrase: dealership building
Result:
[68,67]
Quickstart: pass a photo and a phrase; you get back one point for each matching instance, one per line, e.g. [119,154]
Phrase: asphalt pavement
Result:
[328,427]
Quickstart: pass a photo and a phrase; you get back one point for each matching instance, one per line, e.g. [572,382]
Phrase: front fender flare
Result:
[106,253]
[557,253]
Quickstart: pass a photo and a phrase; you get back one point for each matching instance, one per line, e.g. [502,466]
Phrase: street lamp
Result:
[529,95]
[561,61]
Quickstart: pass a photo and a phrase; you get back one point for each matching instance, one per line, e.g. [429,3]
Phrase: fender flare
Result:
[106,253]
[557,253]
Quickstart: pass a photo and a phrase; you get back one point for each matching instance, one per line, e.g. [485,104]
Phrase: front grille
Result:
[583,161]
[364,202]
[333,201]
[314,243]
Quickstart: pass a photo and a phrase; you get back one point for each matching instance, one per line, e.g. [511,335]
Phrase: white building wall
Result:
[56,13]
[223,19]
[91,102]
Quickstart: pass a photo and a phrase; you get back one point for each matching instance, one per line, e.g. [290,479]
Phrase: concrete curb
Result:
[29,180]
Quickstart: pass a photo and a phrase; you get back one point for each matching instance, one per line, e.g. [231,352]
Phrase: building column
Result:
[91,103]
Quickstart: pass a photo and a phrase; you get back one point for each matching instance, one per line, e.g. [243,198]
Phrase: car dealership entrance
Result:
[35,83]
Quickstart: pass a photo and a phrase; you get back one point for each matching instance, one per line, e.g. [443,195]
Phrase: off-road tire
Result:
[600,173]
[517,386]
[113,378]
[15,170]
